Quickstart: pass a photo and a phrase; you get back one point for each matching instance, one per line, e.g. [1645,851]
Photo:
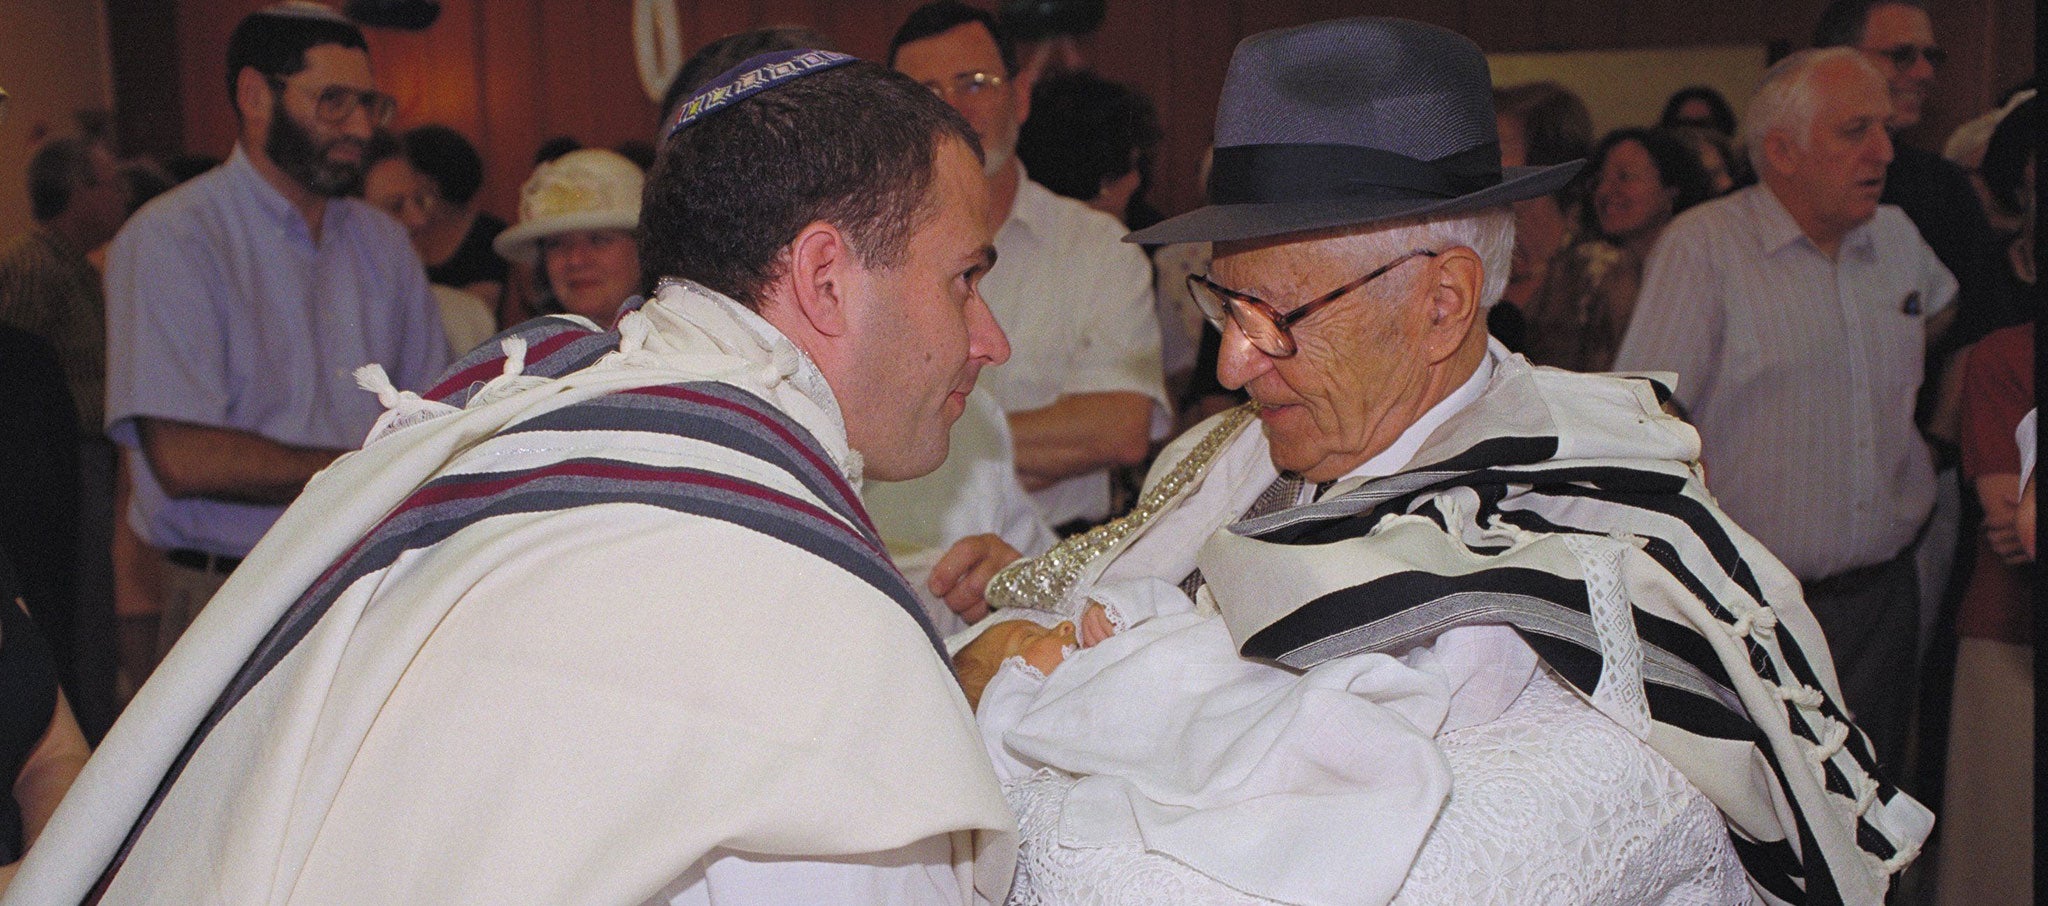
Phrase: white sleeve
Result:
[1677,322]
[2025,436]
[921,873]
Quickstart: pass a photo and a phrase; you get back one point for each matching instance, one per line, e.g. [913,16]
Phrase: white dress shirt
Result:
[1799,371]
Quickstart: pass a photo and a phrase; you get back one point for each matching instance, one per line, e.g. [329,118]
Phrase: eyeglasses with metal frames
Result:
[966,84]
[336,103]
[1269,330]
[1905,55]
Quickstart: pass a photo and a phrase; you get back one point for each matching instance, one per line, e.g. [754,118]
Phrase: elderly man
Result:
[602,620]
[1416,519]
[1795,313]
[1085,393]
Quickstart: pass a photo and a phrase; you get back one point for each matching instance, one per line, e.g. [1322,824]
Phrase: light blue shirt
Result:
[223,311]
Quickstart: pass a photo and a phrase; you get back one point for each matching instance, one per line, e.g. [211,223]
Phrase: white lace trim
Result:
[1619,694]
[1550,804]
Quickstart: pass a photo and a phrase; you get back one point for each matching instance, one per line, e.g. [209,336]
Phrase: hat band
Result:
[1255,174]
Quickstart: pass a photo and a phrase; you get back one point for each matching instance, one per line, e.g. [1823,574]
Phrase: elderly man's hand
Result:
[961,576]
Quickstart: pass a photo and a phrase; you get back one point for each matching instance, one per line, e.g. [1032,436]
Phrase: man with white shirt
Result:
[1411,489]
[1084,392]
[600,618]
[1796,314]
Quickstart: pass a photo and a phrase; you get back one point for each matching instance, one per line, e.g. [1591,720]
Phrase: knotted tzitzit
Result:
[402,408]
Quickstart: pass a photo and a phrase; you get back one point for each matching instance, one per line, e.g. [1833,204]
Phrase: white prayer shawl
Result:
[567,705]
[1381,565]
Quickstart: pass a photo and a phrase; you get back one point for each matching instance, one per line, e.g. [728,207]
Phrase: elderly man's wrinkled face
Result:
[1359,375]
[1837,172]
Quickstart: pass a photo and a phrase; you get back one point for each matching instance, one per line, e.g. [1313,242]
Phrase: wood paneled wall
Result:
[512,73]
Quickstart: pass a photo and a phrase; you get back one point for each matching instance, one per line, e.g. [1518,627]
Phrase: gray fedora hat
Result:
[1349,122]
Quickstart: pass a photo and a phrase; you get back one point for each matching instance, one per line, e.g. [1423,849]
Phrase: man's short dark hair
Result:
[941,16]
[715,58]
[1086,130]
[56,172]
[1841,24]
[853,146]
[275,44]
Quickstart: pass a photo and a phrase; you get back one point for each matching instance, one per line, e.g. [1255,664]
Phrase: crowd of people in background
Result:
[1849,319]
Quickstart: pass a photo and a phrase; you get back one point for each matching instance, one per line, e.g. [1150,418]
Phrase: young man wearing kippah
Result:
[601,618]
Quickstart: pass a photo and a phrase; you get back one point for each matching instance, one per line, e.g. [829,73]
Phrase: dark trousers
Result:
[1871,616]
[89,679]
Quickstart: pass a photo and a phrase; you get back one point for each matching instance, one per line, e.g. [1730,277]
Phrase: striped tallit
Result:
[271,756]
[1628,581]
[1570,508]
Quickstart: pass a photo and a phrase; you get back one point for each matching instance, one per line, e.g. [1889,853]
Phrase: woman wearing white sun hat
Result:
[576,219]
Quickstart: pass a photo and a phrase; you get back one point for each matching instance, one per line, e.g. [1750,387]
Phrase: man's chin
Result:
[336,181]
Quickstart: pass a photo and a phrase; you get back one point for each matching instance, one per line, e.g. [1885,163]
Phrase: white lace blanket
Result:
[1550,804]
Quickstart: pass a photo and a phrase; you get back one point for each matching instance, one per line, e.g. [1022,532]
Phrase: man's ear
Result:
[1452,302]
[252,94]
[1781,151]
[1021,84]
[821,266]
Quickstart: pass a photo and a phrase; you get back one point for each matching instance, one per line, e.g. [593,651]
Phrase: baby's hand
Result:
[1095,625]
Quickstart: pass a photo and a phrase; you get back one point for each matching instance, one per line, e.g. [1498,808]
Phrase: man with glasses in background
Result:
[238,305]
[1084,393]
[1897,37]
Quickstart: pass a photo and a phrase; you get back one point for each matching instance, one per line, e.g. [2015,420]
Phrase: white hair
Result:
[1490,233]
[1785,101]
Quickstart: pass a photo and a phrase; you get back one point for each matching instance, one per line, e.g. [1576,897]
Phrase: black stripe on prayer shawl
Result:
[1393,612]
[1525,497]
[1709,530]
[444,506]
[1494,452]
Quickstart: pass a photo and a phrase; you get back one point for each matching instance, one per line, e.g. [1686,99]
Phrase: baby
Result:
[1042,648]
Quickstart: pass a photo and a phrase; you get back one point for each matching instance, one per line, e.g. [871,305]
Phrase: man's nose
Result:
[1237,360]
[985,338]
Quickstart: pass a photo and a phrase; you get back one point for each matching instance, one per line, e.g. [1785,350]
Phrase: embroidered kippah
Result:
[753,76]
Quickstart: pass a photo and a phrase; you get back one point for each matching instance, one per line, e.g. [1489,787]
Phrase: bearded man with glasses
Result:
[1415,609]
[238,303]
